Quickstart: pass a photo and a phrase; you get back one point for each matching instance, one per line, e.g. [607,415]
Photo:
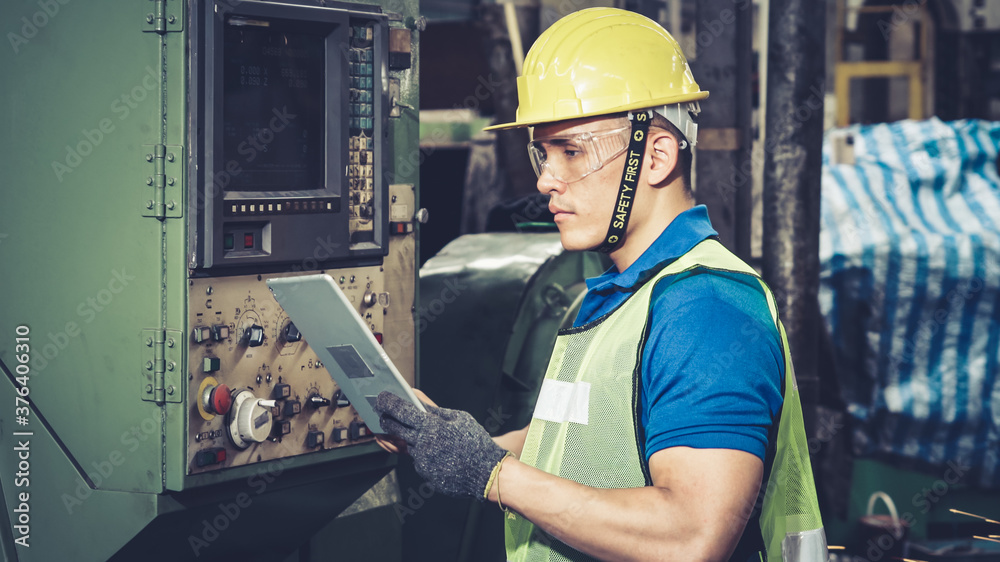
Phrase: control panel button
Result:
[248,240]
[341,399]
[217,399]
[339,434]
[358,430]
[314,439]
[254,336]
[220,332]
[282,391]
[215,455]
[228,242]
[291,408]
[210,364]
[282,427]
[201,333]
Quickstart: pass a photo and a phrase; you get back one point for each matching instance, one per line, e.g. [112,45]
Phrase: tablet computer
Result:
[342,341]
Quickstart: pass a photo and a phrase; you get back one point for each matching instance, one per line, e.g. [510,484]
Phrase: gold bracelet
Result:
[499,498]
[493,474]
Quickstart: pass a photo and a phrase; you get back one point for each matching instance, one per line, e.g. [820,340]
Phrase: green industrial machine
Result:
[161,160]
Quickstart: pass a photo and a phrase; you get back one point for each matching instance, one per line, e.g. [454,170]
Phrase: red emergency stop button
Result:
[220,400]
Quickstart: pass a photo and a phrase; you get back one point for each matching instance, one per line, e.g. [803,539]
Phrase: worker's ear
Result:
[661,157]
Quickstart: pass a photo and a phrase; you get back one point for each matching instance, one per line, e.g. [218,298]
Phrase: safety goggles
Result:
[571,158]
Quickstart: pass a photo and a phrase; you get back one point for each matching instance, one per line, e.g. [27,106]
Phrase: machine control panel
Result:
[258,390]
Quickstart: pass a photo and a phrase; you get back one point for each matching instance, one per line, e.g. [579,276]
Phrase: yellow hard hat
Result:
[601,61]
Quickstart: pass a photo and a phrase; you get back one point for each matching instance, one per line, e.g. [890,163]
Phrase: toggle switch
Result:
[317,401]
[208,457]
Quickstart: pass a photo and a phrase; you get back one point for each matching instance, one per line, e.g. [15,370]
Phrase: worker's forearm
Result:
[615,524]
[512,441]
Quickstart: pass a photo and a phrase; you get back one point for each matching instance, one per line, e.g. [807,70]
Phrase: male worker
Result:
[668,426]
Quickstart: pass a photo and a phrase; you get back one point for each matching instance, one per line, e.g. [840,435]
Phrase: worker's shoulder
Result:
[710,294]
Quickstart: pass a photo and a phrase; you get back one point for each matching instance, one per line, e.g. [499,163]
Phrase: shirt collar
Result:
[683,233]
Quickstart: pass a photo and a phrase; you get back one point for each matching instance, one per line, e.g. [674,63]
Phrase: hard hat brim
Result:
[644,104]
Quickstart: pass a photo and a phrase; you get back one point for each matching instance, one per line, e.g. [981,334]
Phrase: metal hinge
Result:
[163,198]
[164,16]
[162,368]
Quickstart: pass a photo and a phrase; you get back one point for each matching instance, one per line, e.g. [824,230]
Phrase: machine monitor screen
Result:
[290,113]
[273,119]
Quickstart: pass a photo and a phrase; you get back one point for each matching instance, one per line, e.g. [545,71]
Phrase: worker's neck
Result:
[643,232]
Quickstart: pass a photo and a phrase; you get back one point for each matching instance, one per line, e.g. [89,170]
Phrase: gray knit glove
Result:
[449,448]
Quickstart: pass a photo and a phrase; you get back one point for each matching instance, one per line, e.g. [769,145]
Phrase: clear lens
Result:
[574,157]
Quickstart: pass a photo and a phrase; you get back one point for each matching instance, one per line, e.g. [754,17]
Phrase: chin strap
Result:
[630,178]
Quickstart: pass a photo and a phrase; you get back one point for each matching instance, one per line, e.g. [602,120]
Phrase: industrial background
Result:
[157,404]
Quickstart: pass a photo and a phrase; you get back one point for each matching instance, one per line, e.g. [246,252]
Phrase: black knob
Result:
[292,334]
[317,401]
[254,336]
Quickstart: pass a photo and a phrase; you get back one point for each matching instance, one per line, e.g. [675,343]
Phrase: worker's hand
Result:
[450,449]
[396,445]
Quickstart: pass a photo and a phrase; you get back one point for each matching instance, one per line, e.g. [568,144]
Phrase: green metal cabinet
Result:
[97,274]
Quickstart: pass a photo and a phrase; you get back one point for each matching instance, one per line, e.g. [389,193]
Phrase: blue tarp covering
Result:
[910,288]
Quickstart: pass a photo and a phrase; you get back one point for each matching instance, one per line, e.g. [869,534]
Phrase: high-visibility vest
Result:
[586,425]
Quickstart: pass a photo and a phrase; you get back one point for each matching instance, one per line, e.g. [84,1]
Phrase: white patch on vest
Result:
[560,401]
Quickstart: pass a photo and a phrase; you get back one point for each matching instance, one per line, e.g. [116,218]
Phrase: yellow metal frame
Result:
[844,72]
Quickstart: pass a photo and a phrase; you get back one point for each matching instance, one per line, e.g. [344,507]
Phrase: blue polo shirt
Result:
[712,366]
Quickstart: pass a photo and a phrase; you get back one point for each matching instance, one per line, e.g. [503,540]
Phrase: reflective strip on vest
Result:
[590,399]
